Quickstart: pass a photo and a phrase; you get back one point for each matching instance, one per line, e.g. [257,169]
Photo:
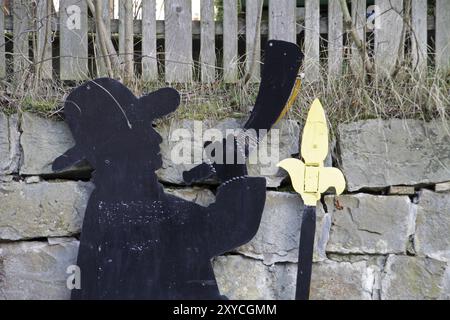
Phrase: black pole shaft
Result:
[305,254]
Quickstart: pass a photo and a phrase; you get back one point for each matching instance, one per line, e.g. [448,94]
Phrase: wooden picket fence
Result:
[33,50]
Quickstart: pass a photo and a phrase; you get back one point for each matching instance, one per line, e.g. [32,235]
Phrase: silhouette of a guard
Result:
[138,242]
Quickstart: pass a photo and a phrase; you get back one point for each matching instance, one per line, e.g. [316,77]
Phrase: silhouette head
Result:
[110,125]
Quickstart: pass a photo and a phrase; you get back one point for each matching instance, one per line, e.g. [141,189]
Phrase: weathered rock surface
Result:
[36,270]
[378,153]
[412,278]
[243,278]
[342,281]
[329,281]
[278,236]
[203,197]
[42,141]
[445,295]
[432,237]
[9,144]
[191,134]
[46,209]
[56,209]
[366,224]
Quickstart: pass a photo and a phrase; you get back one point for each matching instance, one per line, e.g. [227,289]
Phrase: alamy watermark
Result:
[74,279]
[73,21]
[197,145]
[372,13]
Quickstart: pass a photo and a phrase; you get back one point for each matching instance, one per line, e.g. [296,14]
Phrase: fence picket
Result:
[21,29]
[128,40]
[149,57]
[2,43]
[388,35]
[253,38]
[122,12]
[443,35]
[312,40]
[178,40]
[419,30]
[230,41]
[101,60]
[335,39]
[282,24]
[73,40]
[44,42]
[207,42]
[359,21]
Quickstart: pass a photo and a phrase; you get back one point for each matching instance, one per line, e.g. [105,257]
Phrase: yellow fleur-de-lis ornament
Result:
[310,178]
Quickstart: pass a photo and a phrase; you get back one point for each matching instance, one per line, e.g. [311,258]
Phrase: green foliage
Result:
[39,105]
[218,4]
[219,9]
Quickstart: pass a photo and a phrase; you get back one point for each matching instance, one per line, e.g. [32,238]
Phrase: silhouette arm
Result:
[234,218]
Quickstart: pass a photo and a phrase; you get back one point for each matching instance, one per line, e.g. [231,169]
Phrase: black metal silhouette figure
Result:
[138,242]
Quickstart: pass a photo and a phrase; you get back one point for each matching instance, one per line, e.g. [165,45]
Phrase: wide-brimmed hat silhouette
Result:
[105,108]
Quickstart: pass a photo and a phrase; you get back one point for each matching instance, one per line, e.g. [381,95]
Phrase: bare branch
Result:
[359,43]
[250,71]
[106,46]
[129,65]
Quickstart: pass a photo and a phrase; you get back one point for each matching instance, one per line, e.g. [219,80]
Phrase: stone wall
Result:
[388,237]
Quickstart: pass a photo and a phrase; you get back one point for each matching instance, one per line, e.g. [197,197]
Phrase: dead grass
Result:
[346,100]
[351,99]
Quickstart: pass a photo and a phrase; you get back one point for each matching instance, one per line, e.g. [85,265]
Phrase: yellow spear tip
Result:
[316,112]
[317,101]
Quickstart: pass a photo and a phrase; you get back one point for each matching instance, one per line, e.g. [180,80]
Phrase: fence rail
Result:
[404,29]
